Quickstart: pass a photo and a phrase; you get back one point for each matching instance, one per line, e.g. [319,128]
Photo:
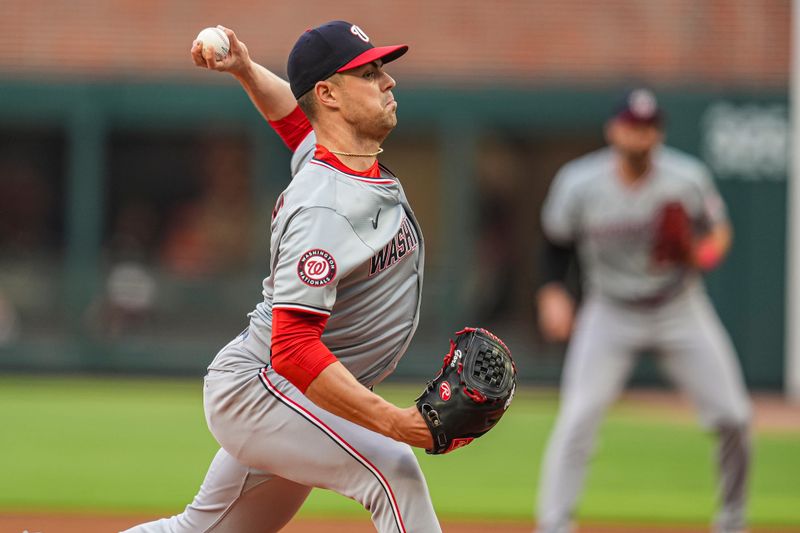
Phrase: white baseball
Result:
[217,39]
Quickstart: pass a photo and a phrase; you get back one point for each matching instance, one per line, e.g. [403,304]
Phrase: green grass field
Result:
[141,446]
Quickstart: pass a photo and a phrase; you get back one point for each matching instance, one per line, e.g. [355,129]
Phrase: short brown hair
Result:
[308,103]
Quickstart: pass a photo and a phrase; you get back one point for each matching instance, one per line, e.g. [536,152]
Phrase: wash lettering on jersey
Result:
[401,245]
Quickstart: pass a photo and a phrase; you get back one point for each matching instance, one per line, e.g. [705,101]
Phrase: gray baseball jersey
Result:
[613,224]
[630,306]
[348,247]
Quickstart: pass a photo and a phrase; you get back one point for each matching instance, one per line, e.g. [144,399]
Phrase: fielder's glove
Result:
[673,242]
[471,392]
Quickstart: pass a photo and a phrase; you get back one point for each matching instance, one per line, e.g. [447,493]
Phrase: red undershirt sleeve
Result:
[298,353]
[292,128]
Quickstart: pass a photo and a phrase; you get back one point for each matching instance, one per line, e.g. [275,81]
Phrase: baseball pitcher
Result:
[289,399]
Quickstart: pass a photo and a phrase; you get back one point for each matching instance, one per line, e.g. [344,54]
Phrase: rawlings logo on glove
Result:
[471,392]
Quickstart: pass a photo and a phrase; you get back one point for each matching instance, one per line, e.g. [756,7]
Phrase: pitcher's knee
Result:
[405,467]
[399,479]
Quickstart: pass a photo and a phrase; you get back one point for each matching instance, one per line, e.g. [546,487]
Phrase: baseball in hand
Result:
[217,39]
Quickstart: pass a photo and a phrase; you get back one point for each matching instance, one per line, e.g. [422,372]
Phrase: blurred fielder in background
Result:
[644,220]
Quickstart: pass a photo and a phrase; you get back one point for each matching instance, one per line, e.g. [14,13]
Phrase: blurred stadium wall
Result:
[135,189]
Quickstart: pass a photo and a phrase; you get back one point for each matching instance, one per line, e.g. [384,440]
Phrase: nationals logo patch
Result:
[316,268]
[444,391]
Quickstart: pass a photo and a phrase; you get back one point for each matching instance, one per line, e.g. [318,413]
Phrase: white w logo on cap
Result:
[358,32]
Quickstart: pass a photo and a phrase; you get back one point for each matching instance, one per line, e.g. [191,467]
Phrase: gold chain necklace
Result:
[348,154]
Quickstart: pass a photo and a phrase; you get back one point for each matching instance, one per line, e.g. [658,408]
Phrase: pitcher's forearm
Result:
[337,391]
[270,93]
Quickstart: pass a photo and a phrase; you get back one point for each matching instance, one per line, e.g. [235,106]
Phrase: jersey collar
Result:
[323,157]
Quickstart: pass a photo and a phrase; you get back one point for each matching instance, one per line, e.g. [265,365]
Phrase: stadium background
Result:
[135,189]
[135,193]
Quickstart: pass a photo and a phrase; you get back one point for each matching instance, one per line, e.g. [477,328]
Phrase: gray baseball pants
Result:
[277,445]
[696,354]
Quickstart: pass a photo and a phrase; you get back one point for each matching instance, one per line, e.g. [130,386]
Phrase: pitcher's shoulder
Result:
[312,186]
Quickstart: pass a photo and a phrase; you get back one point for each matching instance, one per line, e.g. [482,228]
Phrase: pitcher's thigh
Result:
[297,440]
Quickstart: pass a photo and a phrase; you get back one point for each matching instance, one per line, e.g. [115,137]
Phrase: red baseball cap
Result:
[333,47]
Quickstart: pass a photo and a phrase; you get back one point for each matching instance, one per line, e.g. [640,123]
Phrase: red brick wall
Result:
[731,42]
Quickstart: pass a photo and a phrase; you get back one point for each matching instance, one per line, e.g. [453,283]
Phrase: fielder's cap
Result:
[334,47]
[639,106]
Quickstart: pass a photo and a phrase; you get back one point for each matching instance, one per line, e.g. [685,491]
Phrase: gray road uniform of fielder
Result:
[632,305]
[346,246]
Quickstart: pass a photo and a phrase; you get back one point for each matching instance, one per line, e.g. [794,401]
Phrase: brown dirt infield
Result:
[96,524]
